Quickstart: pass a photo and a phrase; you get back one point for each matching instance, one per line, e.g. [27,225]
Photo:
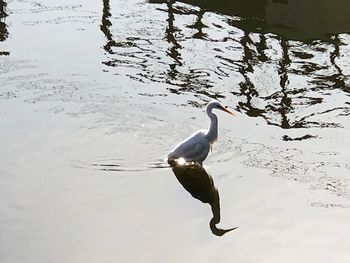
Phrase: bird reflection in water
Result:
[200,185]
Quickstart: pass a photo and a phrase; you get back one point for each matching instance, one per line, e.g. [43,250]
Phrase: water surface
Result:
[94,94]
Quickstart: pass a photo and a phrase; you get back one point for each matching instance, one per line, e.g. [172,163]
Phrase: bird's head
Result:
[217,105]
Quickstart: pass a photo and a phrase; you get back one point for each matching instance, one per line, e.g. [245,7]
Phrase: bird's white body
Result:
[196,147]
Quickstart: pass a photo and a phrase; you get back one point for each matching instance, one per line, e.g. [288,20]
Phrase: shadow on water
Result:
[201,186]
[280,60]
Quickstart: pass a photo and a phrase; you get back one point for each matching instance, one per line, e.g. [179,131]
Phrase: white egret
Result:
[196,147]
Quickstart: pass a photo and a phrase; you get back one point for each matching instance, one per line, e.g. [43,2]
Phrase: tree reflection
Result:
[185,79]
[105,26]
[3,26]
[173,50]
[247,87]
[338,79]
[198,25]
[281,102]
[201,186]
[245,28]
[284,106]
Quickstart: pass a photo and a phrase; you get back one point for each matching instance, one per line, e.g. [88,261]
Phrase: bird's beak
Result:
[228,111]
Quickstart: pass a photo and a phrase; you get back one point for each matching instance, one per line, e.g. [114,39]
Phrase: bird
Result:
[196,147]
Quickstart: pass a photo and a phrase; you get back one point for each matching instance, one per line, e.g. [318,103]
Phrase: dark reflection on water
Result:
[337,80]
[175,47]
[3,26]
[105,26]
[256,52]
[292,19]
[201,186]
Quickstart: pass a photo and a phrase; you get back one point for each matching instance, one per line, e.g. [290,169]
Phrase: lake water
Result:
[93,95]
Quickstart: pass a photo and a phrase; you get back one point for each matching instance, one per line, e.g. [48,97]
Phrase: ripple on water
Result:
[121,165]
[288,163]
[289,83]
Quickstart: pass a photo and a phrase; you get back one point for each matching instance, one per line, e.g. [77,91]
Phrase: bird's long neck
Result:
[212,133]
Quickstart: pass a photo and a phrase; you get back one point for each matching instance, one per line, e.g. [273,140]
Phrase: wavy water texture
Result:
[94,94]
[287,82]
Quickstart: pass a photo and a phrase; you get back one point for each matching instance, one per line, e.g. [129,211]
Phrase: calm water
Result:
[93,94]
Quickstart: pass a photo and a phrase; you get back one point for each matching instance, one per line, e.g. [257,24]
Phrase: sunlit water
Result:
[94,94]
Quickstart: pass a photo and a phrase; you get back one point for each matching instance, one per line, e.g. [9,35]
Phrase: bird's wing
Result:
[196,147]
[199,151]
